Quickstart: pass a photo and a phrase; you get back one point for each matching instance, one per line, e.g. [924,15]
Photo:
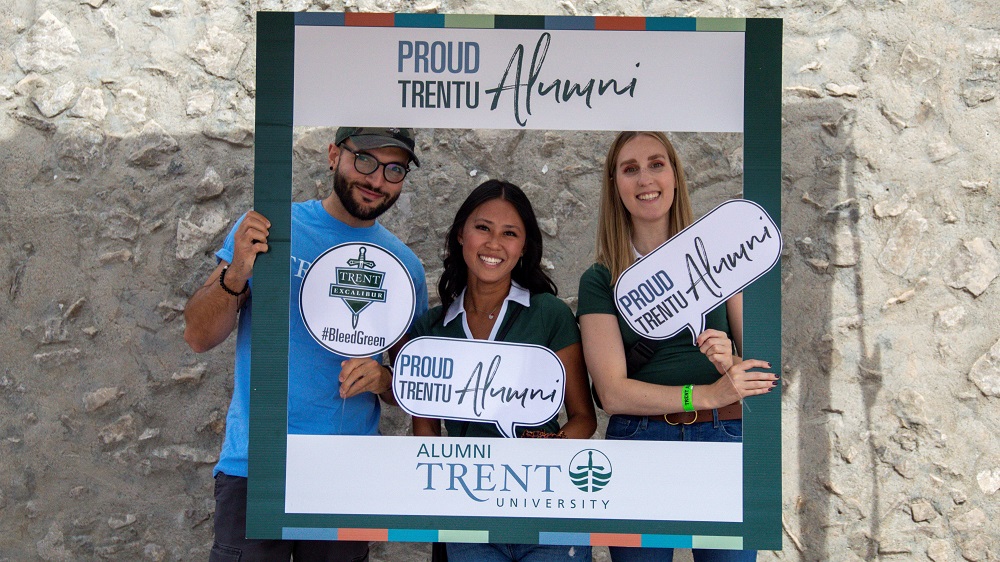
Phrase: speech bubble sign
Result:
[508,384]
[676,285]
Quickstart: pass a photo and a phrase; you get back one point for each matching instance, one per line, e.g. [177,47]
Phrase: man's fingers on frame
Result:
[255,234]
[255,216]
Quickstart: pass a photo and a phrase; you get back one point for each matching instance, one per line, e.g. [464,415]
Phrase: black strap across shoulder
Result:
[510,323]
[639,354]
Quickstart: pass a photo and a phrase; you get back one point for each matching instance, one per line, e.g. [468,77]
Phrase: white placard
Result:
[508,384]
[676,285]
[519,78]
[357,299]
[551,478]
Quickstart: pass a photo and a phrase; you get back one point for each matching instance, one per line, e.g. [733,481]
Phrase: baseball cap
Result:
[366,138]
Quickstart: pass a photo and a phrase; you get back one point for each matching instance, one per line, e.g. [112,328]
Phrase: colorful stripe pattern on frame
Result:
[482,21]
[563,539]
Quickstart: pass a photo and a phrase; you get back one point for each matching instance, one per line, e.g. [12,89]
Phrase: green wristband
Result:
[686,397]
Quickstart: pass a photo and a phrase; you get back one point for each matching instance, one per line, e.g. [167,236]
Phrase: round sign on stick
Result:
[357,299]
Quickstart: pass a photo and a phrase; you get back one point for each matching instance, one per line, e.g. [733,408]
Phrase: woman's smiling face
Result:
[645,179]
[492,241]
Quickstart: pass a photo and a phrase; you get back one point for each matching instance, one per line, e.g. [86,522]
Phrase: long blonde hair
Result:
[614,225]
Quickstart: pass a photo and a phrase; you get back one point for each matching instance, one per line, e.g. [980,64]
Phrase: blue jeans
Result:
[479,552]
[625,554]
[655,428]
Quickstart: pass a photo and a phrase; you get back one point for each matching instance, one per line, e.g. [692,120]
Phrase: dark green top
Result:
[547,322]
[676,361]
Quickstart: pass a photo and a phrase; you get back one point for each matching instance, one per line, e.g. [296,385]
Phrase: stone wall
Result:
[126,133]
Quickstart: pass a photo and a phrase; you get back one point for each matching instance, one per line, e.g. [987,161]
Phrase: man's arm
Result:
[210,314]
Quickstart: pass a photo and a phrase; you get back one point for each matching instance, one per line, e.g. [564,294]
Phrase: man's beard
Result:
[353,208]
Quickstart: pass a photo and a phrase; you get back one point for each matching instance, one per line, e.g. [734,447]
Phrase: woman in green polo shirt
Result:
[493,288]
[666,390]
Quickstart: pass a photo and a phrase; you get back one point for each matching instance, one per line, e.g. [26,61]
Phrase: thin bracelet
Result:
[222,281]
[392,375]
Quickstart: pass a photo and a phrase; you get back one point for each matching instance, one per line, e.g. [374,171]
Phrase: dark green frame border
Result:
[266,517]
[273,199]
[762,299]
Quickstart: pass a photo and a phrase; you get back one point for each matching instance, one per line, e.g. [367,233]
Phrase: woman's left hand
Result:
[717,346]
[363,375]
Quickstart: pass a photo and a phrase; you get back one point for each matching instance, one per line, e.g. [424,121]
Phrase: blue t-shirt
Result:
[314,403]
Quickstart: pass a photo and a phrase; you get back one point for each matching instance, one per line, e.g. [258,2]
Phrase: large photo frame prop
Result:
[535,72]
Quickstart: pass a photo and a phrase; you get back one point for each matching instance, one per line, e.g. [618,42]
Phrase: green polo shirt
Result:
[546,321]
[675,362]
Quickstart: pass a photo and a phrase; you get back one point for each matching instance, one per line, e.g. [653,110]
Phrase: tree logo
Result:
[590,470]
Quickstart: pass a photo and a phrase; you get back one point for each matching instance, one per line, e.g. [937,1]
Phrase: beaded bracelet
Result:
[541,434]
[222,281]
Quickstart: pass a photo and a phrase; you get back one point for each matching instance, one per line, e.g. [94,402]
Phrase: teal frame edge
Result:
[266,517]
[762,299]
[269,331]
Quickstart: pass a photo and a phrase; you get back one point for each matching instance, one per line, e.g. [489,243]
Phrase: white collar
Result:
[516,294]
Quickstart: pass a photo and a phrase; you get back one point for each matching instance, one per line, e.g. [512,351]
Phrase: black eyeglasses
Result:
[366,164]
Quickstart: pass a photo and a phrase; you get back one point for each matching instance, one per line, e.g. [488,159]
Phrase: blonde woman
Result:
[667,390]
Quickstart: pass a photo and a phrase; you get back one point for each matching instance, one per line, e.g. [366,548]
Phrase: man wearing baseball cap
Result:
[328,394]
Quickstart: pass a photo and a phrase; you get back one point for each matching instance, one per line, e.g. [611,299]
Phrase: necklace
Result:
[491,313]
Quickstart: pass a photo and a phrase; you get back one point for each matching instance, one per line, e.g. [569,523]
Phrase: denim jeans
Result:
[655,428]
[479,552]
[625,554]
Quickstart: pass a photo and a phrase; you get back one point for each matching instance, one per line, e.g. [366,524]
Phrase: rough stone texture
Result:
[126,134]
[90,105]
[989,481]
[47,47]
[985,372]
[975,266]
[53,101]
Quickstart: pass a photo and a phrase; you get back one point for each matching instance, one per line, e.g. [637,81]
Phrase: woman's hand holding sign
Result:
[739,381]
[738,384]
[717,346]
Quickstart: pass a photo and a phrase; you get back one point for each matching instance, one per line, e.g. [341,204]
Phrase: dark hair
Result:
[528,271]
